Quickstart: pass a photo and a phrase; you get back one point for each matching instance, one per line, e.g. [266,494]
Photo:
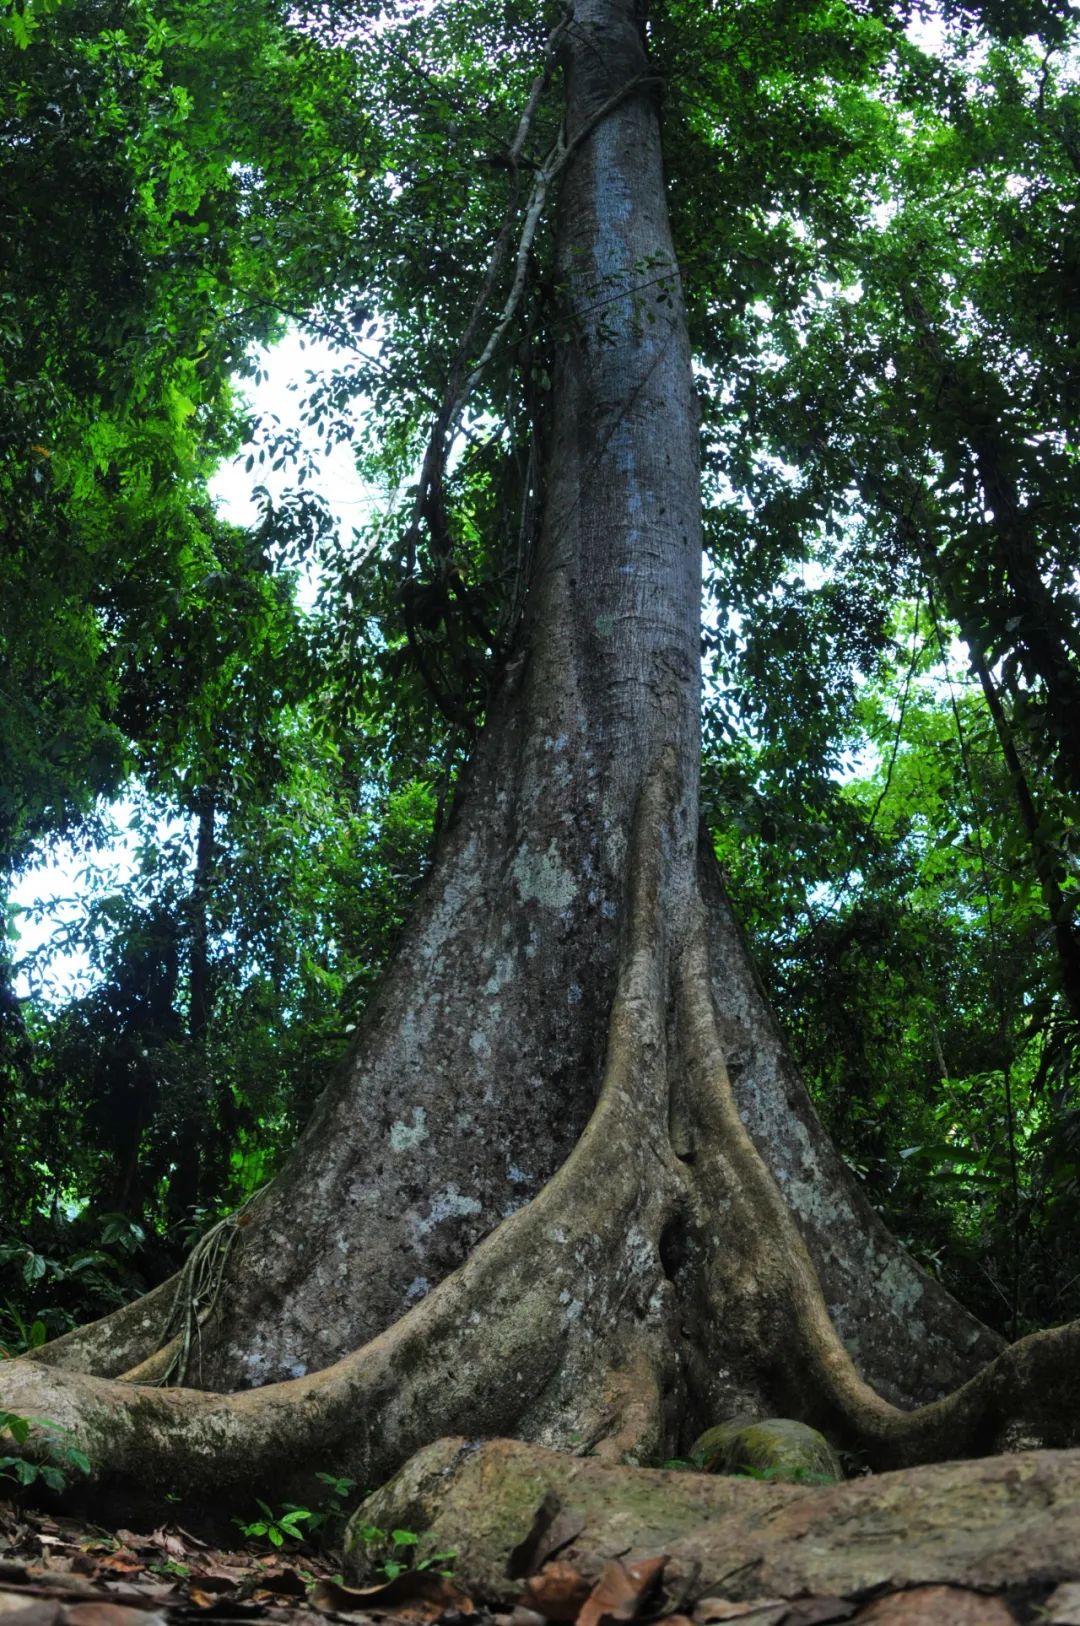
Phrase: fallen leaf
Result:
[763,1611]
[558,1591]
[46,1583]
[213,1608]
[122,1562]
[937,1606]
[621,1590]
[416,1595]
[208,1581]
[818,1611]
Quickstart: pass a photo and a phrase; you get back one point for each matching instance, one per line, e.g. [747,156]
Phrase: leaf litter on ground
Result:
[58,1571]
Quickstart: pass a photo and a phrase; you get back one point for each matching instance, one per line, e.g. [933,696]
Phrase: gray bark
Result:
[480,1062]
[880,1301]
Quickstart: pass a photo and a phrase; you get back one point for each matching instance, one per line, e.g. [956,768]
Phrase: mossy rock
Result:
[774,1448]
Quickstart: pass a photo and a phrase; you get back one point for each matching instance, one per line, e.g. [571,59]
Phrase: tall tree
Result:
[569,1184]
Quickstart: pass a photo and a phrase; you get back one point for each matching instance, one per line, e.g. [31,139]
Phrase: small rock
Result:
[778,1447]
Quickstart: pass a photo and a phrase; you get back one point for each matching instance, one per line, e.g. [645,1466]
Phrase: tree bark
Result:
[569,1185]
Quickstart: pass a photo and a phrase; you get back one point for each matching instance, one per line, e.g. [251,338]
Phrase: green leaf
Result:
[18,1427]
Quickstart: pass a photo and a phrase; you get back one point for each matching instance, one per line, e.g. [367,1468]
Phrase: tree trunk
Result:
[539,1200]
[187,1178]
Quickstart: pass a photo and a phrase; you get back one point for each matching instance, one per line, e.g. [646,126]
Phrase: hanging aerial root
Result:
[195,1300]
[530,1334]
[763,1278]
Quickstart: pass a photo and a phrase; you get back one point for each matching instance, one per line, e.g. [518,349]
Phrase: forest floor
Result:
[58,1571]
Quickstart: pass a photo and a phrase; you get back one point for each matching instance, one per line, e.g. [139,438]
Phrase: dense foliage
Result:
[876,215]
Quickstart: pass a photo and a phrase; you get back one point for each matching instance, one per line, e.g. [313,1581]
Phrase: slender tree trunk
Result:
[186,1179]
[569,1185]
[200,993]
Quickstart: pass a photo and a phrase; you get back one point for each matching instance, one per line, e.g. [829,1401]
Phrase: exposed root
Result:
[762,1270]
[153,1339]
[760,1265]
[1004,1521]
[519,1337]
[909,1337]
[563,1326]
[634,1426]
[157,1367]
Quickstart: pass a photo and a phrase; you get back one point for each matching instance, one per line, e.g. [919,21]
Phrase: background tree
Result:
[140,637]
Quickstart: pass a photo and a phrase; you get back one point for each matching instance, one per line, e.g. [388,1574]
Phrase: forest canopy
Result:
[875,212]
